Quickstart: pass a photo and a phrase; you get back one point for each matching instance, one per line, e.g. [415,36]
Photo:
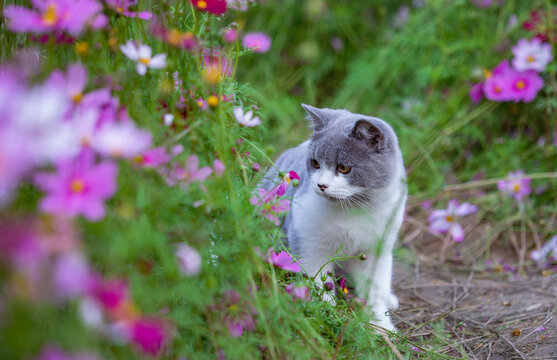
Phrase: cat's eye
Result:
[343,169]
[315,164]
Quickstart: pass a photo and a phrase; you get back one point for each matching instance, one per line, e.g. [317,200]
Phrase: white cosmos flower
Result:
[143,56]
[246,119]
[531,55]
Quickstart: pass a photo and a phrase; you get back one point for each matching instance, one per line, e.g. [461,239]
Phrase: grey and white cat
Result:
[351,195]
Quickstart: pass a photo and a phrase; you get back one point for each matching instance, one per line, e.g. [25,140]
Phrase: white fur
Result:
[326,225]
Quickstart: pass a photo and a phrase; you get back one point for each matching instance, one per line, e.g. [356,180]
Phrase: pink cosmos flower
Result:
[531,55]
[550,247]
[150,335]
[189,260]
[516,185]
[284,261]
[51,352]
[79,187]
[497,85]
[291,178]
[111,294]
[215,7]
[238,314]
[230,35]
[143,56]
[476,92]
[202,104]
[153,158]
[72,276]
[257,42]
[218,167]
[190,173]
[298,292]
[215,66]
[56,15]
[445,220]
[270,206]
[247,119]
[72,84]
[121,139]
[524,86]
[121,7]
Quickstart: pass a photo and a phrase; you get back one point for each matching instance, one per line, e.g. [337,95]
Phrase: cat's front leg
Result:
[373,281]
[320,268]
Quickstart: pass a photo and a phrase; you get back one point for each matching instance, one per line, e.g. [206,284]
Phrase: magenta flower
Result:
[121,139]
[291,178]
[270,206]
[51,352]
[247,119]
[111,294]
[56,15]
[121,7]
[550,247]
[190,173]
[298,292]
[79,187]
[150,335]
[257,42]
[215,7]
[517,185]
[230,35]
[476,92]
[497,85]
[238,314]
[531,55]
[189,260]
[524,86]
[445,220]
[142,54]
[284,261]
[215,66]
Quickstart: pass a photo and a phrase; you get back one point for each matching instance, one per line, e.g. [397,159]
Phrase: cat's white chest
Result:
[327,226]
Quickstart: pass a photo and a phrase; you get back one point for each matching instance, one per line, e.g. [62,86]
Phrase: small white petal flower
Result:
[168,119]
[246,119]
[143,56]
[531,55]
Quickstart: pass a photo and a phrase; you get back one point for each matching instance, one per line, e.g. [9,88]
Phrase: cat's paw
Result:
[329,297]
[384,322]
[392,302]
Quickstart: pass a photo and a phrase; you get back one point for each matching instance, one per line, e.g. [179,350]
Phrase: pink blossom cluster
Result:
[519,82]
[237,313]
[48,264]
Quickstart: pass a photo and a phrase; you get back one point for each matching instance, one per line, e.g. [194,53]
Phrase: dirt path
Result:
[486,314]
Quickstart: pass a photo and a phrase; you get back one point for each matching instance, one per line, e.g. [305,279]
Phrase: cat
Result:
[351,195]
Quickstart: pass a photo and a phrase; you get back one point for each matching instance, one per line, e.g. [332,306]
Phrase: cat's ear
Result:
[316,116]
[364,130]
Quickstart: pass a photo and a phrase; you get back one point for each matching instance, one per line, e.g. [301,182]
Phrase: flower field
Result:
[134,134]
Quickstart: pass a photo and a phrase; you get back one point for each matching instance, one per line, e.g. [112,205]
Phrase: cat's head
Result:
[351,155]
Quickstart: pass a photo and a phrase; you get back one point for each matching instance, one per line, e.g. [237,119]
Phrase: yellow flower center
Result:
[516,187]
[267,207]
[139,159]
[200,103]
[77,98]
[144,60]
[520,84]
[487,74]
[212,75]
[119,9]
[497,89]
[345,290]
[174,37]
[449,218]
[81,48]
[201,4]
[77,186]
[49,17]
[233,307]
[212,101]
[530,59]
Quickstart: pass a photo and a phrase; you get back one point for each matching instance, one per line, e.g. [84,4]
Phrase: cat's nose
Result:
[322,187]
